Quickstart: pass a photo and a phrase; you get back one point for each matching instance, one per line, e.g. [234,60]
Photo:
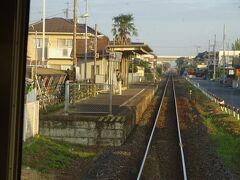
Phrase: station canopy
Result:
[131,49]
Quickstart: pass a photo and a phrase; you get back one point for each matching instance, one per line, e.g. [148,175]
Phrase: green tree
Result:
[236,45]
[159,69]
[166,66]
[123,28]
[134,66]
[146,66]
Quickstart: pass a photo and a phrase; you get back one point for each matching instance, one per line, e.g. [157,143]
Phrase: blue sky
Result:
[169,27]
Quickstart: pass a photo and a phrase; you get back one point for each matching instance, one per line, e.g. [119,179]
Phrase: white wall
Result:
[103,68]
[31,119]
[59,53]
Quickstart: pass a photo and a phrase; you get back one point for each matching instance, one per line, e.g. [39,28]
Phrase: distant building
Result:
[229,56]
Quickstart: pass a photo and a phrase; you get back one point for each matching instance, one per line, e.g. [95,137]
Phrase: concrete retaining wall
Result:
[105,131]
[143,103]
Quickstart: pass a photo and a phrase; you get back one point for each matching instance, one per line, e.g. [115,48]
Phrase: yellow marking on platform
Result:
[112,119]
[101,118]
[107,119]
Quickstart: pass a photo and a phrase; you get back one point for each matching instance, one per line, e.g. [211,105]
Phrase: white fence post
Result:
[110,99]
[66,100]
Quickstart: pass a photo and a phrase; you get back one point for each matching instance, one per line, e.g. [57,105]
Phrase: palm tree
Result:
[123,28]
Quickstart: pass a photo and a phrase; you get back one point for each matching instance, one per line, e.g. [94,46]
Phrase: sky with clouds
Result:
[169,27]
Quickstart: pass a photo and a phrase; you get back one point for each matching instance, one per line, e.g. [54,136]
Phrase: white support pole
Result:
[224,57]
[43,33]
[66,102]
[85,54]
[214,60]
[110,88]
[74,39]
[95,53]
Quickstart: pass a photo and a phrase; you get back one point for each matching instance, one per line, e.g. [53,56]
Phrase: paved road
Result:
[230,95]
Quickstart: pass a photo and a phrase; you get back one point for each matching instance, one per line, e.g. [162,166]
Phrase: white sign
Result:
[231,72]
[78,75]
[115,56]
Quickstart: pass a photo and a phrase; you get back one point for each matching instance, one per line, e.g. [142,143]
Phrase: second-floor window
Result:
[64,43]
[39,42]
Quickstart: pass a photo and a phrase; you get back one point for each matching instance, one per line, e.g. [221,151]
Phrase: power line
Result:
[50,16]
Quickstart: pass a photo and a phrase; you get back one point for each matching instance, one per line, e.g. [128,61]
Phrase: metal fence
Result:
[87,98]
[138,78]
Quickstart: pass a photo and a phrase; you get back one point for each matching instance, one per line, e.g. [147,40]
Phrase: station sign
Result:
[115,56]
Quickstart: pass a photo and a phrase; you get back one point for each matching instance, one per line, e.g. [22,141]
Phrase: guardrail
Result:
[231,110]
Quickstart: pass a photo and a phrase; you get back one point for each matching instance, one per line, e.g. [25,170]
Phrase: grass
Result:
[228,144]
[44,154]
[224,129]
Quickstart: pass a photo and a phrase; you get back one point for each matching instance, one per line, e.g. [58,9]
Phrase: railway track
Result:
[164,156]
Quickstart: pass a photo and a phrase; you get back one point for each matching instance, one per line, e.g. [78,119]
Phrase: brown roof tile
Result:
[59,25]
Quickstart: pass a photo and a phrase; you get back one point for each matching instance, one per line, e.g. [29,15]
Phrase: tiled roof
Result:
[59,25]
[102,44]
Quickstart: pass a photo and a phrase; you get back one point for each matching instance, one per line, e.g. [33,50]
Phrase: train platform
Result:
[90,122]
[105,105]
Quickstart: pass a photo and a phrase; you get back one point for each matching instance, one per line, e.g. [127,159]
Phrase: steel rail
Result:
[153,129]
[179,134]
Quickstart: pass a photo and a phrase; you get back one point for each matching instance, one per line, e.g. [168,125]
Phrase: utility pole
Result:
[74,39]
[197,49]
[227,57]
[43,33]
[36,57]
[95,53]
[85,57]
[214,59]
[224,58]
[67,9]
[209,45]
